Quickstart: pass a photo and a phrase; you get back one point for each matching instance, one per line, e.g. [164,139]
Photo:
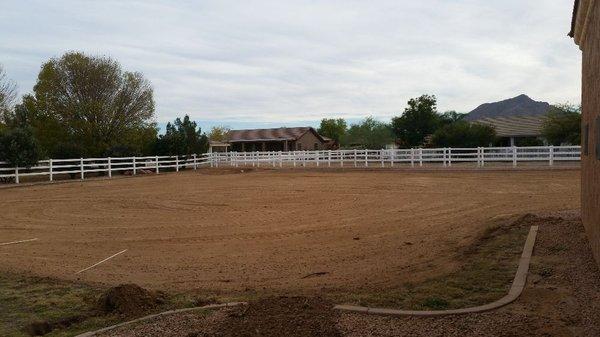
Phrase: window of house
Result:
[586,140]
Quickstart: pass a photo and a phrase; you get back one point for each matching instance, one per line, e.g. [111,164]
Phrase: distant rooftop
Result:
[270,134]
[515,126]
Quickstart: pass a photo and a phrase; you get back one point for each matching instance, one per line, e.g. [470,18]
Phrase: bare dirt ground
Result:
[561,298]
[266,231]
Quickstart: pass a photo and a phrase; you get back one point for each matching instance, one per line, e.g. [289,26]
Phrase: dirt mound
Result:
[129,300]
[281,316]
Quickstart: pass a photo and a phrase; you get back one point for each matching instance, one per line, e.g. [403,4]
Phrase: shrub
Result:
[19,147]
[463,134]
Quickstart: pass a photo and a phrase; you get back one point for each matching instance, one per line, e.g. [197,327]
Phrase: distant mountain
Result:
[521,105]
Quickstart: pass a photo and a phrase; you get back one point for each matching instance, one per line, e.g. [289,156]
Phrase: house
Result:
[516,120]
[585,30]
[278,139]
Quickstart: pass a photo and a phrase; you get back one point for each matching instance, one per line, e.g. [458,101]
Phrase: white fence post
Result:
[134,166]
[449,156]
[420,156]
[381,158]
[551,155]
[157,165]
[17,174]
[514,156]
[444,157]
[195,162]
[176,163]
[366,158]
[412,157]
[51,169]
[81,168]
[329,158]
[482,157]
[109,168]
[355,157]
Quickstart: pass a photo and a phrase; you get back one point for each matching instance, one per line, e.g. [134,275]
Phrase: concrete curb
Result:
[170,312]
[515,291]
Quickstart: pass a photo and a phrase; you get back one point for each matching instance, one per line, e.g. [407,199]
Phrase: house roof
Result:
[582,13]
[574,18]
[515,126]
[276,134]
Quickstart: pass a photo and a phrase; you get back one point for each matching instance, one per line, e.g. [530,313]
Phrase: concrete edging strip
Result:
[515,291]
[170,312]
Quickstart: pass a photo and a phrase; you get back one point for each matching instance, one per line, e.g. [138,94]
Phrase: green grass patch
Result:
[488,268]
[73,306]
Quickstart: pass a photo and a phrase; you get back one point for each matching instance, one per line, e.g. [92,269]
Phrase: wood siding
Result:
[308,141]
[590,181]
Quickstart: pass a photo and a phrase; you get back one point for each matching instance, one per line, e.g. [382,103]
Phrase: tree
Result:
[8,94]
[450,117]
[219,133]
[89,101]
[463,134]
[419,120]
[333,128]
[182,138]
[563,125]
[368,134]
[18,147]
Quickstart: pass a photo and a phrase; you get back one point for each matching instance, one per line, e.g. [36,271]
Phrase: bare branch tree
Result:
[8,92]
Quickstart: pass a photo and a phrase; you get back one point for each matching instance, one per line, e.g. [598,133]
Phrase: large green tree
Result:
[182,137]
[563,125]
[90,105]
[420,119]
[368,134]
[333,128]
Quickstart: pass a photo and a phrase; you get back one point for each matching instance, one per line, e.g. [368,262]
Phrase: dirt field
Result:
[266,231]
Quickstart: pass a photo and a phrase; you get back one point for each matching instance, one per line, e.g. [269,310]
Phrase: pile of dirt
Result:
[281,316]
[129,300]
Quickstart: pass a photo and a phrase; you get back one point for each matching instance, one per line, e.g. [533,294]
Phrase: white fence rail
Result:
[389,158]
[82,167]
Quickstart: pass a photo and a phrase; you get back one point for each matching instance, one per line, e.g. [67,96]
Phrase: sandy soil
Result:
[219,230]
[561,298]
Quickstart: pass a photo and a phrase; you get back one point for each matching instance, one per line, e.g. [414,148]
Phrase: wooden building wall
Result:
[591,129]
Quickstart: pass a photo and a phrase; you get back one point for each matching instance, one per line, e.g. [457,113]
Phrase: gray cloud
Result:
[286,61]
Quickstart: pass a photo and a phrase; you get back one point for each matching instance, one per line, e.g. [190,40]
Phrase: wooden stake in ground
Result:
[108,258]
[15,242]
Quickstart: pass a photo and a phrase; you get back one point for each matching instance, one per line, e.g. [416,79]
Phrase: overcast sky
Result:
[255,63]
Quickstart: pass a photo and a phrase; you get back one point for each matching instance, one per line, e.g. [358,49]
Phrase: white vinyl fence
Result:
[389,158]
[83,167]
